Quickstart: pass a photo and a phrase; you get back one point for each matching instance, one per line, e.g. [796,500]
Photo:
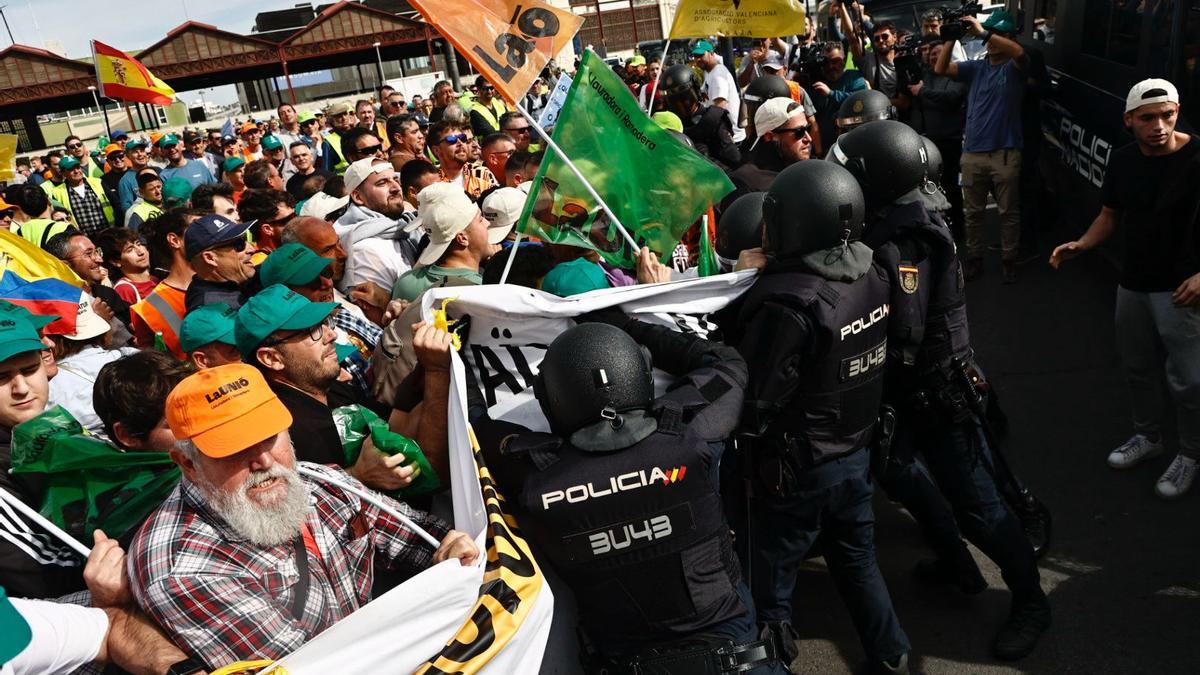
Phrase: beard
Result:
[266,525]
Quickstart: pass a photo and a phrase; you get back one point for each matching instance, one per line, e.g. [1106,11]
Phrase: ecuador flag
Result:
[124,77]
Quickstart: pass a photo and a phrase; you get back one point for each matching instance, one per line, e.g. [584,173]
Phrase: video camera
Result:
[952,26]
[906,57]
[810,60]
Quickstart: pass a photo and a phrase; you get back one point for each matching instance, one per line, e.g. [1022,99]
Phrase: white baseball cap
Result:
[321,205]
[773,114]
[361,170]
[88,324]
[1153,90]
[774,60]
[502,209]
[445,210]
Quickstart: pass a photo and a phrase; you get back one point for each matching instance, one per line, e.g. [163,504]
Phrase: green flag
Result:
[84,483]
[655,186]
[707,259]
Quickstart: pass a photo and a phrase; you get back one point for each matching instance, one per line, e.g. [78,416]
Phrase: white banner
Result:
[450,610]
[554,105]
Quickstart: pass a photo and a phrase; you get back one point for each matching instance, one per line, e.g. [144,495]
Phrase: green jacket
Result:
[40,230]
[140,212]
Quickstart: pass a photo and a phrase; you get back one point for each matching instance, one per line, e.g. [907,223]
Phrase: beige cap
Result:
[359,171]
[774,114]
[88,324]
[503,209]
[445,210]
[321,205]
[337,108]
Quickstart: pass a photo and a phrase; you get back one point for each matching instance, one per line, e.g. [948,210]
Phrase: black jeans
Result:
[834,498]
[951,150]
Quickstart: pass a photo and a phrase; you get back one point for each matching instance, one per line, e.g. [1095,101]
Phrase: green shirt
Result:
[415,281]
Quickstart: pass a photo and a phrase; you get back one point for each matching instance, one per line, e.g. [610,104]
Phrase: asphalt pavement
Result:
[1123,571]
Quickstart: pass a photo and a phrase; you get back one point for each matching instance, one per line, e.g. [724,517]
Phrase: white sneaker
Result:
[1178,478]
[1133,451]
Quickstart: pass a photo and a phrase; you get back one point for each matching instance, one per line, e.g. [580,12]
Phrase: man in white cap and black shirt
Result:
[1150,191]
[460,240]
[783,139]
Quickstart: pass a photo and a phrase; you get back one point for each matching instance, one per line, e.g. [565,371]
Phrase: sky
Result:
[127,24]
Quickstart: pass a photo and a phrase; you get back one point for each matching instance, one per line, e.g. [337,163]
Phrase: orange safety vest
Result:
[162,312]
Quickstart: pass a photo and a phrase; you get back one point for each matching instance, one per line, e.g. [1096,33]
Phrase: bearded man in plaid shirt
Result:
[247,559]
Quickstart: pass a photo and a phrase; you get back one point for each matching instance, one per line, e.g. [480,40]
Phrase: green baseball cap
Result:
[206,325]
[636,60]
[1000,21]
[39,321]
[572,278]
[702,47]
[668,120]
[169,139]
[176,192]
[306,116]
[68,163]
[275,308]
[15,634]
[134,143]
[292,265]
[271,142]
[18,335]
[232,164]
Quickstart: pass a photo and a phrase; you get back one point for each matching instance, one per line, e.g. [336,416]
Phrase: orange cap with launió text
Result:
[225,410]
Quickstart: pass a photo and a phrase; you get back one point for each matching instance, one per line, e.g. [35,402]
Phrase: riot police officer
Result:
[760,90]
[739,229]
[861,107]
[813,330]
[707,125]
[933,379]
[622,497]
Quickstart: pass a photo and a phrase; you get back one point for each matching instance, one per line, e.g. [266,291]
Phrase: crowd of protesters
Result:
[239,288]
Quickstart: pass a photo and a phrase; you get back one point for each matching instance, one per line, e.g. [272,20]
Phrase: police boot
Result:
[958,569]
[784,637]
[1027,620]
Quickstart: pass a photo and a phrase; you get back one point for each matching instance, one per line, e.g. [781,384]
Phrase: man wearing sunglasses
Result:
[451,144]
[270,210]
[515,125]
[359,143]
[76,148]
[486,109]
[783,139]
[219,254]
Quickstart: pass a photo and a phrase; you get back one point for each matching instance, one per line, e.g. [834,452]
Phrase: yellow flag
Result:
[124,77]
[32,263]
[738,18]
[8,156]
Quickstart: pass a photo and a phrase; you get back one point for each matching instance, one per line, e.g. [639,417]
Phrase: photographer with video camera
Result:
[938,112]
[831,83]
[880,66]
[991,160]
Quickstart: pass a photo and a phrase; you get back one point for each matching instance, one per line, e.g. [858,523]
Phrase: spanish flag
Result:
[123,77]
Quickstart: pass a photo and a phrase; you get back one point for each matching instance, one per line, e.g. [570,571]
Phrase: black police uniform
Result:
[929,307]
[816,351]
[712,133]
[638,533]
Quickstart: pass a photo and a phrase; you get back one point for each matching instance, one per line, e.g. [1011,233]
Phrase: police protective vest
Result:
[928,323]
[335,141]
[825,409]
[638,534]
[162,312]
[61,195]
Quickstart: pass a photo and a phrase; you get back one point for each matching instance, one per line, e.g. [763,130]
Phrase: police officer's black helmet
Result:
[887,158]
[764,88]
[678,80]
[934,159]
[740,227]
[811,206]
[682,138]
[861,107]
[592,372]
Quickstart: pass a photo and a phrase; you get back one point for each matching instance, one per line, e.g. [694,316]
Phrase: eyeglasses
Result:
[369,150]
[93,253]
[118,156]
[882,36]
[454,139]
[799,131]
[518,130]
[487,87]
[314,332]
[74,146]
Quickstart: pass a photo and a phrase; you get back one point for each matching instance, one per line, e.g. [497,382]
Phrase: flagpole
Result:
[512,253]
[41,520]
[575,170]
[372,498]
[662,65]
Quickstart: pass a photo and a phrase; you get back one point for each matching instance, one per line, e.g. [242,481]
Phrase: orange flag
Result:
[124,77]
[509,41]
